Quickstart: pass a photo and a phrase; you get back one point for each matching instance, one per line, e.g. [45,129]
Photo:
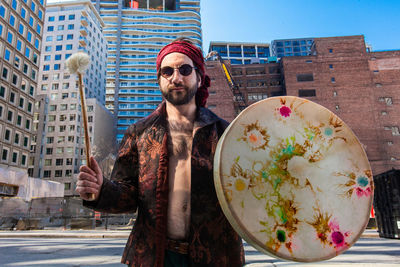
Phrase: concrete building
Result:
[21,30]
[135,32]
[291,47]
[242,53]
[59,148]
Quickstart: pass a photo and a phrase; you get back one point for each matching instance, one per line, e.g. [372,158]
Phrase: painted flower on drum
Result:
[255,136]
[337,237]
[360,185]
[328,231]
[285,111]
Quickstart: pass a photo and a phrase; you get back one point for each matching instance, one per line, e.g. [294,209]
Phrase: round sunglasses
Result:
[184,70]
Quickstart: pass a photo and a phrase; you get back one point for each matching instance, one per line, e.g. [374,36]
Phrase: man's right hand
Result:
[89,180]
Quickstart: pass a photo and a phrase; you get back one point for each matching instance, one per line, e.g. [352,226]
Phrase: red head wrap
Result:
[196,56]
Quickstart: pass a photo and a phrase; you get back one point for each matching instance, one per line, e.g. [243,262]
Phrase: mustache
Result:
[176,86]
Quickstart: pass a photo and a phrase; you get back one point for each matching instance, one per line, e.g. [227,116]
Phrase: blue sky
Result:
[266,20]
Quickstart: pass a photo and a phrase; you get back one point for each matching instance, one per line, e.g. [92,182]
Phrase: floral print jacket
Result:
[140,181]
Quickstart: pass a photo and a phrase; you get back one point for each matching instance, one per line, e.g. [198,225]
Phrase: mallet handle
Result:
[85,126]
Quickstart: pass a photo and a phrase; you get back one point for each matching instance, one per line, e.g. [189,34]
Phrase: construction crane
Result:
[238,97]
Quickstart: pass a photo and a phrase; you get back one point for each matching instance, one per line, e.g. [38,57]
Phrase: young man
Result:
[164,169]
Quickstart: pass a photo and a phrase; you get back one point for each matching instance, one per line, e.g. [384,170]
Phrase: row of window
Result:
[15,79]
[13,21]
[23,47]
[22,30]
[16,138]
[57,173]
[17,119]
[49,48]
[62,140]
[15,157]
[22,102]
[61,17]
[59,37]
[60,27]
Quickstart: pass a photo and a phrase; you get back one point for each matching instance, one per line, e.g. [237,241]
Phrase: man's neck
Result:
[186,112]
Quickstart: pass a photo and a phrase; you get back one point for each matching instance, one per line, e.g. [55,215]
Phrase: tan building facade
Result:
[21,30]
[59,148]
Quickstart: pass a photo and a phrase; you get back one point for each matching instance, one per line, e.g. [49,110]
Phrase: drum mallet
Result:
[77,64]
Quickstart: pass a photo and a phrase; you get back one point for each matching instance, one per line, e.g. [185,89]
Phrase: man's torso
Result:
[179,171]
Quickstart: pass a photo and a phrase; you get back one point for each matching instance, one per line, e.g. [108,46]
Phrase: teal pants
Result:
[173,259]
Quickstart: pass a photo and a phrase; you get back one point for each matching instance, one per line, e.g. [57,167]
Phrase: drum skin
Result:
[293,180]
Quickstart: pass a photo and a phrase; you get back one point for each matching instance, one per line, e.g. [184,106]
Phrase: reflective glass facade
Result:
[135,32]
[242,53]
[292,47]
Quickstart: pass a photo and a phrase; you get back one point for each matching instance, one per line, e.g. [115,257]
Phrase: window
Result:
[395,130]
[4,74]
[59,162]
[59,37]
[47,162]
[27,52]
[58,173]
[308,77]
[21,102]
[58,47]
[19,45]
[51,18]
[26,141]
[14,157]
[33,6]
[49,38]
[12,97]
[48,48]
[330,66]
[15,79]
[2,91]
[4,155]
[49,151]
[27,124]
[333,80]
[70,26]
[2,11]
[38,28]
[71,17]
[12,20]
[61,18]
[7,54]
[69,47]
[23,13]
[7,135]
[40,14]
[17,61]
[50,28]
[23,160]
[16,138]
[47,58]
[30,105]
[57,66]
[21,29]
[53,107]
[57,57]
[37,42]
[50,140]
[70,36]
[330,50]
[47,174]
[31,21]
[60,27]
[10,38]
[46,67]
[50,129]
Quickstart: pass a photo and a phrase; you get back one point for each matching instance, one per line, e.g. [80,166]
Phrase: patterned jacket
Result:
[140,181]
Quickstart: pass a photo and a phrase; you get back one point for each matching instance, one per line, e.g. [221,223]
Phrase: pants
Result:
[173,259]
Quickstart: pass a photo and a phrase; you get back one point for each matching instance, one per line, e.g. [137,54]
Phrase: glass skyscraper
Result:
[135,32]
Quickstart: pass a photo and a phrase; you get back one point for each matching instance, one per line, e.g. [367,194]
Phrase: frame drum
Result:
[293,180]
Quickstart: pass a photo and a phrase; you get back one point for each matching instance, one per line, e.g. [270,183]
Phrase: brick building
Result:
[255,81]
[361,87]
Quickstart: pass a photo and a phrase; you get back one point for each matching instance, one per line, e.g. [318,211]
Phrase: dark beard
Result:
[181,97]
